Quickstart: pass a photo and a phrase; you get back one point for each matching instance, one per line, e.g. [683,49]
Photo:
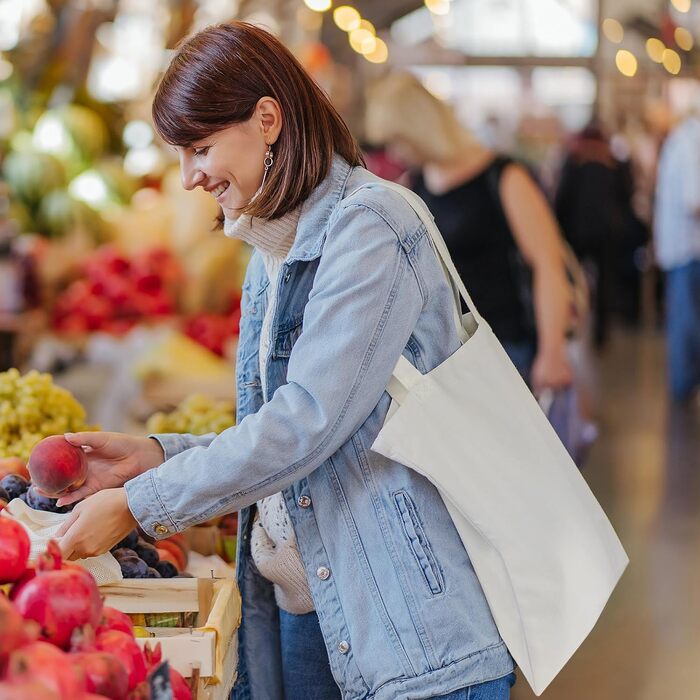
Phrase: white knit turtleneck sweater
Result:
[273,543]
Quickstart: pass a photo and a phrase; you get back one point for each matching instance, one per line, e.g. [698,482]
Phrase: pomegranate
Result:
[125,648]
[49,666]
[26,690]
[56,466]
[179,686]
[14,549]
[115,620]
[15,631]
[60,600]
[104,673]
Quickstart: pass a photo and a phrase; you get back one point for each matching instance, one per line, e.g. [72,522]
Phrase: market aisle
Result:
[645,470]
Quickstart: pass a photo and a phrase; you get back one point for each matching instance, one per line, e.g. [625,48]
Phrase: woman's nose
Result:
[191,175]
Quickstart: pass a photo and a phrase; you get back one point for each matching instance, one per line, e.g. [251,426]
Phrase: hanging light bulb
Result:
[626,63]
[672,61]
[683,38]
[655,49]
[681,5]
[613,30]
[347,18]
[318,5]
[380,53]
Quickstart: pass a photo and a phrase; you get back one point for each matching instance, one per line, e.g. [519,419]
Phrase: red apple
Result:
[56,466]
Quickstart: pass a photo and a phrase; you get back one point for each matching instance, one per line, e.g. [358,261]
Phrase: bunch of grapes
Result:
[33,407]
[197,415]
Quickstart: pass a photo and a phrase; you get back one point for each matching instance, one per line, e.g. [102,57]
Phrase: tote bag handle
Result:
[419,206]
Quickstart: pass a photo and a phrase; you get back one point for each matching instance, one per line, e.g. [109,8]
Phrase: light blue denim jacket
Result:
[401,610]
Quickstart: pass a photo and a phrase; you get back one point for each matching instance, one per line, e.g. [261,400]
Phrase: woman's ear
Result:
[269,115]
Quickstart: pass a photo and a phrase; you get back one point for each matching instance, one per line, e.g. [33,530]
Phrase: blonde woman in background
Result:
[494,219]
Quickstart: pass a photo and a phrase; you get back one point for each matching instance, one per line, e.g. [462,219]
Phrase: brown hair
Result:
[216,79]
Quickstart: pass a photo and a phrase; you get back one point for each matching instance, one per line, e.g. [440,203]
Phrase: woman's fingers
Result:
[85,490]
[65,526]
[94,441]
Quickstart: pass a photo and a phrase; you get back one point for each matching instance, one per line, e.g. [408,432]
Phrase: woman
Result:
[494,220]
[354,580]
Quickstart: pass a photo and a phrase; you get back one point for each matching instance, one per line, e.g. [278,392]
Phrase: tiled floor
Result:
[645,470]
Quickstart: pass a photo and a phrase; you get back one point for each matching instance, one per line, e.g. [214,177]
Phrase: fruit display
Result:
[57,467]
[116,292]
[59,641]
[214,331]
[140,559]
[32,407]
[197,415]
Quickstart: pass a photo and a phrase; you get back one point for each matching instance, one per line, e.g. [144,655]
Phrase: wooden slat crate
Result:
[211,645]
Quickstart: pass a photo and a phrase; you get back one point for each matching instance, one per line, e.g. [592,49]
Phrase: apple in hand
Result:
[57,467]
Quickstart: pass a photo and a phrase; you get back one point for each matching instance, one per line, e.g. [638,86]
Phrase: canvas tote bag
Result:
[545,553]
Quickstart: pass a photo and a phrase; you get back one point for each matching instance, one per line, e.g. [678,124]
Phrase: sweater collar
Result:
[273,236]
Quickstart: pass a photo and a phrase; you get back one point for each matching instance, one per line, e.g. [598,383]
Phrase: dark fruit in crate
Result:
[152,573]
[125,648]
[133,567]
[104,673]
[166,569]
[60,600]
[15,485]
[56,466]
[130,541]
[148,553]
[14,549]
[123,553]
[37,501]
[4,495]
[49,666]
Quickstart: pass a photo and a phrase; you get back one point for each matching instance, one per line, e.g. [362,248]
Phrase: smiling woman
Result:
[222,106]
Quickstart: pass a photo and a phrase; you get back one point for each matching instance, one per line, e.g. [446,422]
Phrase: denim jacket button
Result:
[304,502]
[343,647]
[160,529]
[323,573]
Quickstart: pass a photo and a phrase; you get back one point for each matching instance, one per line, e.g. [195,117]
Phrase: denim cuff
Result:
[146,506]
[171,443]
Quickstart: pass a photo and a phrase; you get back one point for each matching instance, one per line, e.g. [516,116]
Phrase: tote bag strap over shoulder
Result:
[440,248]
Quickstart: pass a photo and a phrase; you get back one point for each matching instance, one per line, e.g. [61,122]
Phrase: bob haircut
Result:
[400,108]
[216,79]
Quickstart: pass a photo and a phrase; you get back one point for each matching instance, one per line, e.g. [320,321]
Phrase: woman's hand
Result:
[113,459]
[96,525]
[551,370]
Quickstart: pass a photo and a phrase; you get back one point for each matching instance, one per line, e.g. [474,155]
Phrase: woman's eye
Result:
[201,151]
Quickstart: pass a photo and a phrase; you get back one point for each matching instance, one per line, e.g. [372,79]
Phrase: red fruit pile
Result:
[57,640]
[56,466]
[213,331]
[117,292]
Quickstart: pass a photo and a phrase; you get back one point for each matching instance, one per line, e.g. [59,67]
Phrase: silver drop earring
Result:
[268,161]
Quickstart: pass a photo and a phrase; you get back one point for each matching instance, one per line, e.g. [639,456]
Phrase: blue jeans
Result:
[522,355]
[307,673]
[683,329]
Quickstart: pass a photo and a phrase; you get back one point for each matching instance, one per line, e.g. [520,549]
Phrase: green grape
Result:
[197,414]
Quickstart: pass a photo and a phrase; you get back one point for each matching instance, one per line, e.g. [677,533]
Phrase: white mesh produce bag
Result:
[42,527]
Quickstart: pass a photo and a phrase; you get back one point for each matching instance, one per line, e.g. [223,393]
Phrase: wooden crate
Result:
[211,645]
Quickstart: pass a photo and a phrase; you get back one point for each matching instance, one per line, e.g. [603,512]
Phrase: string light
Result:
[438,7]
[380,53]
[655,49]
[347,18]
[672,61]
[363,41]
[318,5]
[681,5]
[613,30]
[683,38]
[626,63]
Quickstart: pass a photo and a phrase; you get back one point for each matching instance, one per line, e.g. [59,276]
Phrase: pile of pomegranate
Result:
[57,640]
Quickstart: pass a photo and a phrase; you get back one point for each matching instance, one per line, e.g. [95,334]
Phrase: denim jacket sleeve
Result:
[362,309]
[174,443]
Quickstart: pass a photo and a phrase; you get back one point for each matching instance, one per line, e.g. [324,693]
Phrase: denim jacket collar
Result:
[316,211]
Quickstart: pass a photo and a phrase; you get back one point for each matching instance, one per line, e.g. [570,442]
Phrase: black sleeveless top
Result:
[473,224]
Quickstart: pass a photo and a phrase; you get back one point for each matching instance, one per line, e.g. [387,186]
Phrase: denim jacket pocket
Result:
[287,334]
[418,541]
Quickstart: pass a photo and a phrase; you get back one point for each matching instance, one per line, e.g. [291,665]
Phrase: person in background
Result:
[494,219]
[592,204]
[677,244]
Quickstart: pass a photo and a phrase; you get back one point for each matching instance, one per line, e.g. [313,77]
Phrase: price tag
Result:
[159,682]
